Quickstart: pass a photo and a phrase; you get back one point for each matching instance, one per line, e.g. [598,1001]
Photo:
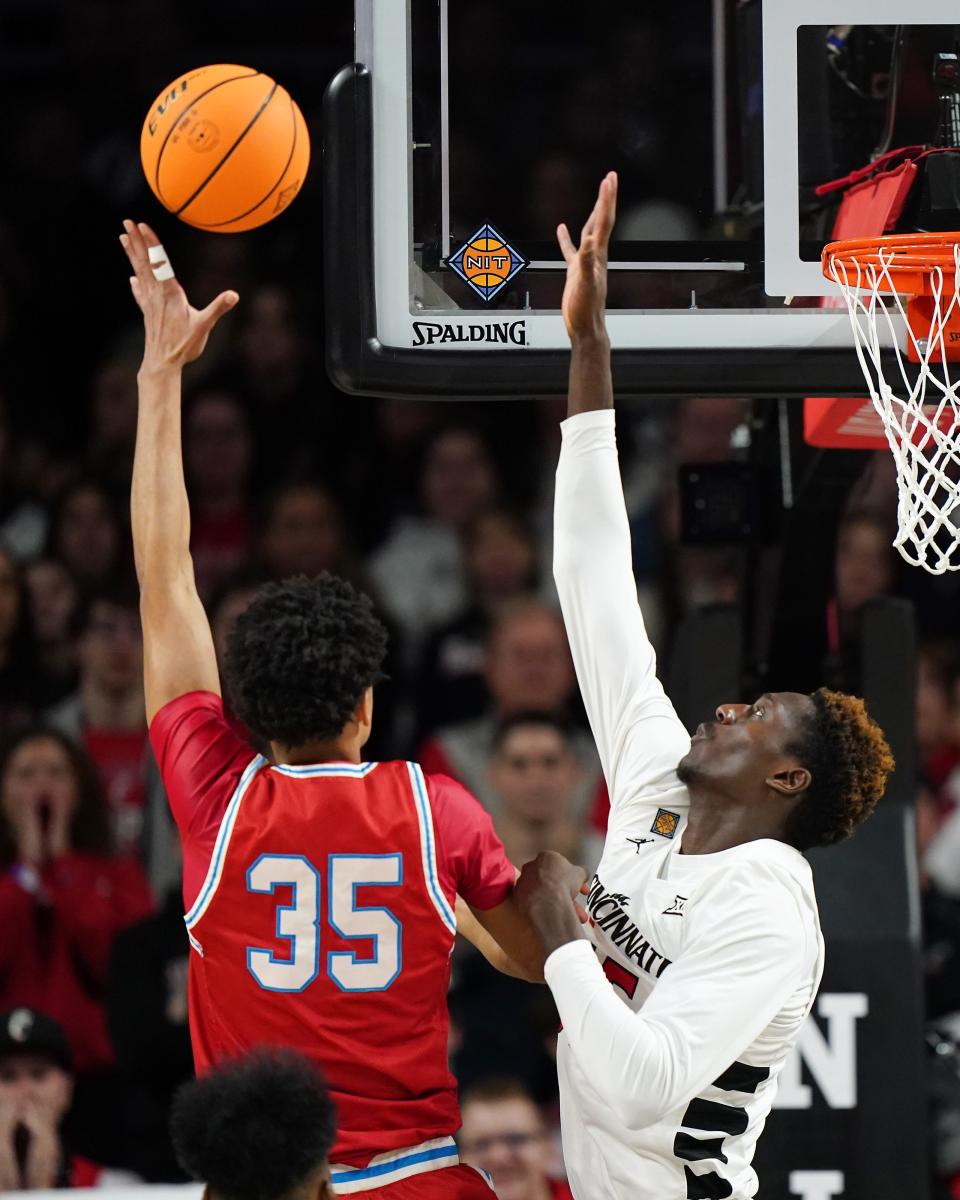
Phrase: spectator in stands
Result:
[504,1134]
[864,563]
[418,570]
[23,687]
[23,521]
[528,669]
[106,713]
[113,421]
[218,459]
[85,533]
[534,772]
[501,563]
[233,599]
[379,464]
[63,896]
[937,751]
[53,603]
[304,534]
[271,345]
[863,570]
[36,1088]
[704,432]
[258,1128]
[147,1015]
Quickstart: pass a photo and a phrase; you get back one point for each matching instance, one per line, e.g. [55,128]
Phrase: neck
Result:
[103,709]
[337,750]
[715,824]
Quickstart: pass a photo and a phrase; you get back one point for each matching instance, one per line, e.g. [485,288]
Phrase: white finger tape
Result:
[162,269]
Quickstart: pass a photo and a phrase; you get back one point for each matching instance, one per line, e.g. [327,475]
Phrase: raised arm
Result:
[177,644]
[639,736]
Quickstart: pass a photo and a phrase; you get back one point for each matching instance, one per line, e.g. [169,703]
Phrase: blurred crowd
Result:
[441,512]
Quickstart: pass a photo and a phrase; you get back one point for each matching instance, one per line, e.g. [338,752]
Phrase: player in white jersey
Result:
[682,999]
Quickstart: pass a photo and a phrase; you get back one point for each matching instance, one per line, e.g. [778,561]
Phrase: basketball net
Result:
[918,406]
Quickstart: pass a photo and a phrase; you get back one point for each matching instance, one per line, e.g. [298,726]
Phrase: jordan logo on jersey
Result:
[676,908]
[638,842]
[665,823]
[606,908]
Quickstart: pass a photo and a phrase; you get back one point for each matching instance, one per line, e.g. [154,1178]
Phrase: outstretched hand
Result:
[175,332]
[585,292]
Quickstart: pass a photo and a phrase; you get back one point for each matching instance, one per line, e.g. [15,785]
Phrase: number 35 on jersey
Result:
[300,887]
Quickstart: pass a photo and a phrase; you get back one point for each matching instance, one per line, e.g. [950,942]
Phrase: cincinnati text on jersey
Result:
[608,915]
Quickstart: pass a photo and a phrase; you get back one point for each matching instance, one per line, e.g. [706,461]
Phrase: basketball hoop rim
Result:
[904,263]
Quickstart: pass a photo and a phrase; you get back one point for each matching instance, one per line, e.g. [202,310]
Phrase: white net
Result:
[919,407]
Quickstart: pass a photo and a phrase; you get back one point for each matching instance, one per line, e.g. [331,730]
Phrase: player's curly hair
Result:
[849,762]
[300,658]
[254,1128]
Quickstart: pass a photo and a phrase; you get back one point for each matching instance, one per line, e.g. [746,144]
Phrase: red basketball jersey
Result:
[324,921]
[322,927]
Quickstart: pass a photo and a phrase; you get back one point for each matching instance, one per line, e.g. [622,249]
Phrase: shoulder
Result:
[191,724]
[205,704]
[448,798]
[759,898]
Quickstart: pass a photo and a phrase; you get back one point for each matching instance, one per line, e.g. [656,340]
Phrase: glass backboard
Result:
[468,130]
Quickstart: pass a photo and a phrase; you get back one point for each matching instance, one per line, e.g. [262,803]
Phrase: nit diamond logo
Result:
[487,262]
[665,823]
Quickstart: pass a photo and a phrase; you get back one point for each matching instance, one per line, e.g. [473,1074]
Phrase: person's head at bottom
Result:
[503,1133]
[301,664]
[257,1128]
[806,770]
[36,1088]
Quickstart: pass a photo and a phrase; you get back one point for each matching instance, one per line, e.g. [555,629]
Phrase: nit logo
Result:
[665,823]
[487,262]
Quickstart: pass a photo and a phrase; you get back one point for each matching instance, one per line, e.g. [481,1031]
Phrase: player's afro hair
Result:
[849,761]
[255,1128]
[300,658]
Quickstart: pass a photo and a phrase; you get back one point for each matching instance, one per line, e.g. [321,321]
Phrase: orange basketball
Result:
[487,262]
[224,148]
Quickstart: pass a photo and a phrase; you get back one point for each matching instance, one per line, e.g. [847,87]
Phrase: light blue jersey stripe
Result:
[220,846]
[430,865]
[344,770]
[398,1164]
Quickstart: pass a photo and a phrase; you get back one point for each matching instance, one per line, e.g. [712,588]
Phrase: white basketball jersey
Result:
[681,1009]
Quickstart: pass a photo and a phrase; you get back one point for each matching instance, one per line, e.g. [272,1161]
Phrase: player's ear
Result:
[364,712]
[790,782]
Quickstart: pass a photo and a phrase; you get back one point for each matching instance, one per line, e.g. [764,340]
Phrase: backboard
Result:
[464,132]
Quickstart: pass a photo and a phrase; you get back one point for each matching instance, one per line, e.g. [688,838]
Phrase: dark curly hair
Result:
[849,762]
[300,658]
[254,1128]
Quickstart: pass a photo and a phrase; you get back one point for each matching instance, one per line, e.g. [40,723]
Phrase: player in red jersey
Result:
[319,890]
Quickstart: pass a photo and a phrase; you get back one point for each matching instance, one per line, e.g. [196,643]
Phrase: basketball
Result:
[224,148]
